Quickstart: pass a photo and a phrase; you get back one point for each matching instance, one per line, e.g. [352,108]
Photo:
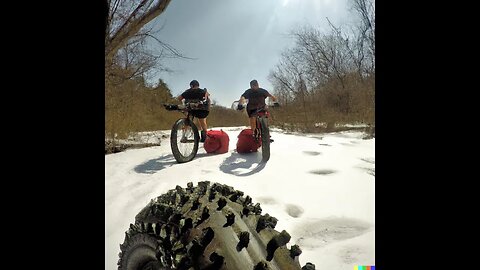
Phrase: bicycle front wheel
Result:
[265,133]
[184,140]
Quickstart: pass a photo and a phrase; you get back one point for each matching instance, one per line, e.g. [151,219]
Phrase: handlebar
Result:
[172,107]
[236,106]
[185,107]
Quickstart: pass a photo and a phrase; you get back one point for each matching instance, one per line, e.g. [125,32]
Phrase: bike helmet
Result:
[194,83]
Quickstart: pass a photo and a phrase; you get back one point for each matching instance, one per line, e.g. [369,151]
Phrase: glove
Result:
[170,107]
[240,107]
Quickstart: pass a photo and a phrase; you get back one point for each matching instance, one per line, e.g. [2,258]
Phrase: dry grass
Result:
[224,117]
[332,104]
[131,106]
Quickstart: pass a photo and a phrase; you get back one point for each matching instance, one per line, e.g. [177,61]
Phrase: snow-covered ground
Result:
[320,187]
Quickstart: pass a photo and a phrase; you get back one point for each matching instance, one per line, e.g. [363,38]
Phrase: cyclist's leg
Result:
[199,125]
[253,122]
[202,123]
[252,117]
[186,130]
[201,116]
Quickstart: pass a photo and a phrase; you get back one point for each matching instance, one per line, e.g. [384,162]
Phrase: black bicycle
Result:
[184,137]
[263,132]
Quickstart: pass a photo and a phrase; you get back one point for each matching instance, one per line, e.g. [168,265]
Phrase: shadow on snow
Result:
[243,164]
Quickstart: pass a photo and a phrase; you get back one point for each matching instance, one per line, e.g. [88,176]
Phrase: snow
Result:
[148,137]
[356,125]
[320,187]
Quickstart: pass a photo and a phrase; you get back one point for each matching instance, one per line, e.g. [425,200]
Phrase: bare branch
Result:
[132,25]
[168,47]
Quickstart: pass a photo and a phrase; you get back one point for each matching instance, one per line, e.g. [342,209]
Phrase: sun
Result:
[285,2]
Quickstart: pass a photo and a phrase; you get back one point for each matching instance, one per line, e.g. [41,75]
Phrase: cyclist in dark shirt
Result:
[256,100]
[195,94]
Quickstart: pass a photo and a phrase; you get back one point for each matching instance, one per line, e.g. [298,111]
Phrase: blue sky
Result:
[235,41]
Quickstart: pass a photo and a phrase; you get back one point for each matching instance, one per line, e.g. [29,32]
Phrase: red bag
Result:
[216,142]
[246,143]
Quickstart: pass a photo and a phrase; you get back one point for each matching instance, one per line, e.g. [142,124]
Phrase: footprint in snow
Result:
[267,200]
[294,210]
[312,153]
[368,160]
[323,172]
[320,232]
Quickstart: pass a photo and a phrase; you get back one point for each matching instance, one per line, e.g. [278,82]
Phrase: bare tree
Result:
[125,20]
[286,77]
[128,33]
[127,60]
[330,75]
[365,9]
[135,59]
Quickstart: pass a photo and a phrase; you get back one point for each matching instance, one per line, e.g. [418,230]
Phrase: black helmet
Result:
[194,83]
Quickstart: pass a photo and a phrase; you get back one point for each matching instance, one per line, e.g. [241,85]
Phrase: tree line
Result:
[327,77]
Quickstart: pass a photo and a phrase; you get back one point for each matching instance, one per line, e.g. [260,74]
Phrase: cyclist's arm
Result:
[242,100]
[207,95]
[270,96]
[180,98]
[207,98]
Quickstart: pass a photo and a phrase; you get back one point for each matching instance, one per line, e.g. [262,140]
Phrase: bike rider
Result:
[195,94]
[256,100]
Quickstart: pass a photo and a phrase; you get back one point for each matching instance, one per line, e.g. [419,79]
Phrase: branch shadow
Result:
[241,165]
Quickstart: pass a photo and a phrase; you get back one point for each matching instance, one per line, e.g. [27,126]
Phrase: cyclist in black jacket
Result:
[195,94]
[256,100]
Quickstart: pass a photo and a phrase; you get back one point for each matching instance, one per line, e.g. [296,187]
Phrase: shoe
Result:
[271,140]
[203,135]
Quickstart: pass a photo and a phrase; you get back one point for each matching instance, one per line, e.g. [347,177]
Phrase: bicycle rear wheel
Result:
[265,133]
[184,140]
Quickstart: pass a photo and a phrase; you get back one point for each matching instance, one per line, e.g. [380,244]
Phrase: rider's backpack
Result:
[246,143]
[216,142]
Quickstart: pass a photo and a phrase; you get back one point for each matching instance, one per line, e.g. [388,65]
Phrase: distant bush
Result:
[132,107]
[225,117]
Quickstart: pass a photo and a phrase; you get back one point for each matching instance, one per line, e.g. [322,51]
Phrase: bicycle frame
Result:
[263,112]
[189,116]
[261,123]
[264,132]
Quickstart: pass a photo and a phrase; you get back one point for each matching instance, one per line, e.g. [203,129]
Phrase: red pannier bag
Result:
[216,142]
[246,143]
